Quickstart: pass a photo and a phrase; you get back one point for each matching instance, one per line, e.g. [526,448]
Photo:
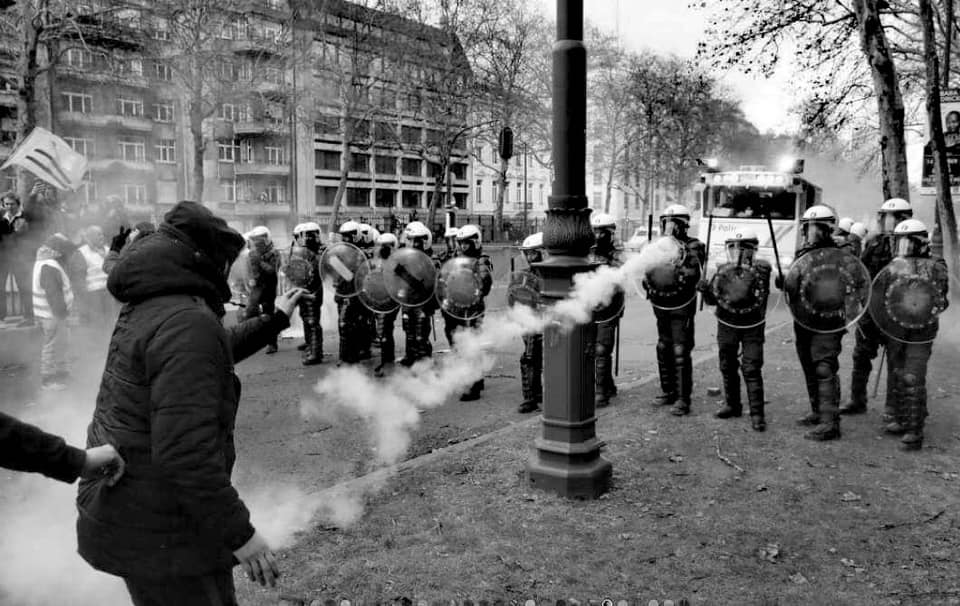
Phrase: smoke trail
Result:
[391,406]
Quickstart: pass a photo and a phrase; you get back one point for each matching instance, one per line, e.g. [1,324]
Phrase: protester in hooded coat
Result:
[174,526]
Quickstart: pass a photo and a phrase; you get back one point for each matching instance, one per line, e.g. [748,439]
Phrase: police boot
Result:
[813,417]
[858,394]
[684,375]
[732,406]
[829,427]
[532,390]
[755,398]
[473,393]
[915,411]
[314,352]
[891,403]
[668,385]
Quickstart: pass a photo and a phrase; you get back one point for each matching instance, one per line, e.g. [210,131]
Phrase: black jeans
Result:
[215,589]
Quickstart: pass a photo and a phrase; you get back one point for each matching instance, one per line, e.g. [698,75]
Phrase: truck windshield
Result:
[744,202]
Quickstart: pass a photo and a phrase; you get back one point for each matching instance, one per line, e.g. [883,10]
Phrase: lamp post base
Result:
[570,470]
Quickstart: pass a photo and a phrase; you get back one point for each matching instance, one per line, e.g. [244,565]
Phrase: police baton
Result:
[706,262]
[649,227]
[883,355]
[773,241]
[616,363]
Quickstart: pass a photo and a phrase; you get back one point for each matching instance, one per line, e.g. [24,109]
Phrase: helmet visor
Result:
[908,246]
[814,233]
[670,226]
[887,222]
[740,252]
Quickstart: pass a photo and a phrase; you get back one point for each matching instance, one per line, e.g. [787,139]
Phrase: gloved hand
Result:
[778,282]
[103,461]
[703,286]
[116,244]
[287,302]
[258,561]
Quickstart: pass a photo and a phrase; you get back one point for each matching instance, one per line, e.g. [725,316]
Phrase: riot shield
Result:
[301,267]
[907,298]
[524,289]
[372,289]
[670,282]
[409,276]
[339,265]
[741,294]
[827,290]
[613,310]
[459,290]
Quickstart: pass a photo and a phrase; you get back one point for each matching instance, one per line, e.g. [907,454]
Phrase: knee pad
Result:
[601,350]
[679,351]
[823,370]
[909,380]
[662,348]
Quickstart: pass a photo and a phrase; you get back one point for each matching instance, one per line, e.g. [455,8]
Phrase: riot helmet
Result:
[844,225]
[675,221]
[470,240]
[258,237]
[366,235]
[892,212]
[350,232]
[450,237]
[859,230]
[742,246]
[387,244]
[912,239]
[532,248]
[309,235]
[817,224]
[418,236]
[603,226]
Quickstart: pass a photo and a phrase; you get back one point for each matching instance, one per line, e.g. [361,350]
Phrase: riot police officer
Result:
[606,252]
[878,251]
[303,270]
[818,351]
[417,321]
[366,241]
[385,322]
[470,245]
[531,362]
[907,357]
[675,327]
[263,263]
[353,325]
[740,323]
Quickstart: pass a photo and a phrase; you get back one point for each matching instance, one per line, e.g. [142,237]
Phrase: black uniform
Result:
[675,338]
[367,317]
[907,365]
[417,322]
[263,263]
[819,357]
[384,324]
[877,253]
[484,270]
[604,386]
[309,309]
[742,348]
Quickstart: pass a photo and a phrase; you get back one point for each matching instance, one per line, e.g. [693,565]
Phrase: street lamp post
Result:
[567,457]
[525,187]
